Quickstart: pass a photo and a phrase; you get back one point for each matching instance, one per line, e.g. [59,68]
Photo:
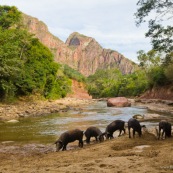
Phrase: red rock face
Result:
[79,52]
[118,102]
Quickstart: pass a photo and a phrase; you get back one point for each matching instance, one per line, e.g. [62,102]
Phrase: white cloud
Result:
[110,22]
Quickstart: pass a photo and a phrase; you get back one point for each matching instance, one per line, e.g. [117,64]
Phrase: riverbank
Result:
[121,155]
[38,108]
[157,105]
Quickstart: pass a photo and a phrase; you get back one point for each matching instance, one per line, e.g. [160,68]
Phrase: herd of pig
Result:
[76,134]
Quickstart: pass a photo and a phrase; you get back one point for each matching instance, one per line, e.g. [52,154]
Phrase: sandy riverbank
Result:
[120,155]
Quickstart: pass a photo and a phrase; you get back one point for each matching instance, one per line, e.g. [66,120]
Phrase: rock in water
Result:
[118,102]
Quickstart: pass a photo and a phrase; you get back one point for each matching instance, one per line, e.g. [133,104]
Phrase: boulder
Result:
[118,102]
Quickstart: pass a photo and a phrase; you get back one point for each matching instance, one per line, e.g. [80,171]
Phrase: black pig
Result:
[94,132]
[69,136]
[112,127]
[135,125]
[166,127]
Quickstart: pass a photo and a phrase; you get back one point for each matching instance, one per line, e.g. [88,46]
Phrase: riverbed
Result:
[28,145]
[46,129]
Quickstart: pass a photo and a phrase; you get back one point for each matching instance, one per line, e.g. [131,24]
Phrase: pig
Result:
[67,137]
[93,132]
[112,127]
[166,129]
[135,125]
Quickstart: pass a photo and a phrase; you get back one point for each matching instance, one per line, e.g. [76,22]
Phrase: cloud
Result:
[110,22]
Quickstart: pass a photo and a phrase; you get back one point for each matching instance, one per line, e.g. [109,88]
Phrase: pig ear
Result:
[60,142]
[143,126]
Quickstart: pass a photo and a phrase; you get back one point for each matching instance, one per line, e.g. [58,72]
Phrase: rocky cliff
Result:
[79,52]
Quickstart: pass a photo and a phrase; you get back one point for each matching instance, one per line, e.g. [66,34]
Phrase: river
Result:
[46,129]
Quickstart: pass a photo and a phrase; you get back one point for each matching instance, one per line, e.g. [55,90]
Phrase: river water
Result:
[46,129]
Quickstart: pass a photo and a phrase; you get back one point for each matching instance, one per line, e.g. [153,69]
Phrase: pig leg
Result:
[159,133]
[111,136]
[129,132]
[88,140]
[64,147]
[80,143]
[120,133]
[133,133]
[124,130]
[163,132]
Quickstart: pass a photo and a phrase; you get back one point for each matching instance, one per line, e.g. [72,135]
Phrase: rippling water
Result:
[46,129]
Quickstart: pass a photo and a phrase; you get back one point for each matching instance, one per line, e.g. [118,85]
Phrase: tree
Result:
[9,16]
[149,59]
[112,83]
[26,65]
[161,13]
[10,62]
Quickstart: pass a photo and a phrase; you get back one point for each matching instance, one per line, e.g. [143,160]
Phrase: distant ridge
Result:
[80,52]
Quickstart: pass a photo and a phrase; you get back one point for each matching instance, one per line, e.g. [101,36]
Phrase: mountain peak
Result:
[80,52]
[77,40]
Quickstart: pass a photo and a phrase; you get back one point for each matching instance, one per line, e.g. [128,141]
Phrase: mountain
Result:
[80,52]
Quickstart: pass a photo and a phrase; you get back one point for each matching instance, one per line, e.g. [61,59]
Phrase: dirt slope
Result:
[79,91]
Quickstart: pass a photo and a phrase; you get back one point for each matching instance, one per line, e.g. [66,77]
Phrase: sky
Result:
[110,22]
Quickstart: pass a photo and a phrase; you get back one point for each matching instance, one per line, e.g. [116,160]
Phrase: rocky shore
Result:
[21,109]
[38,108]
[157,105]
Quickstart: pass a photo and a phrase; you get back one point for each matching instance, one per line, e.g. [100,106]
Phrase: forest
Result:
[28,67]
[155,66]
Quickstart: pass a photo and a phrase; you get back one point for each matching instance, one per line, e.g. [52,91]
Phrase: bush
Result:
[169,72]
[111,83]
[156,76]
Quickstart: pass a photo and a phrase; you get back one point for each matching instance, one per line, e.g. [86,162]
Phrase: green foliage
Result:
[111,83]
[10,61]
[73,74]
[27,66]
[134,84]
[9,16]
[149,59]
[57,88]
[160,12]
[157,72]
[156,76]
[169,72]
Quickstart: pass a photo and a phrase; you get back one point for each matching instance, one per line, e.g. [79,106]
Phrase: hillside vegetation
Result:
[156,65]
[27,66]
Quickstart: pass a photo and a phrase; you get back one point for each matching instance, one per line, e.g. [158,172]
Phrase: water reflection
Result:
[46,129]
